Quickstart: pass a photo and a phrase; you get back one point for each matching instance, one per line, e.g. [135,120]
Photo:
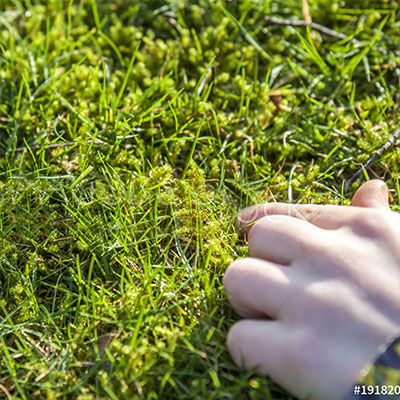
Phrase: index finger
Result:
[323,216]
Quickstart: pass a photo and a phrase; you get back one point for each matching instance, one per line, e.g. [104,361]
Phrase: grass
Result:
[130,135]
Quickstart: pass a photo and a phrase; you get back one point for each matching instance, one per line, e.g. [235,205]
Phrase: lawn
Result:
[131,133]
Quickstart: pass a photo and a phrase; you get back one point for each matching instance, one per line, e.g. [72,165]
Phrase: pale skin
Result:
[320,293]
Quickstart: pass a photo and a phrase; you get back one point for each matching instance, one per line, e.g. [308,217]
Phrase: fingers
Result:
[260,345]
[322,216]
[294,357]
[256,288]
[282,239]
[374,194]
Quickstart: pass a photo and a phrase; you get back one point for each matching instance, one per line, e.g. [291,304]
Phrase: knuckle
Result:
[314,213]
[371,223]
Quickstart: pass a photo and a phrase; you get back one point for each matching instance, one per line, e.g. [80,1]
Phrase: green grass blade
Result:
[247,35]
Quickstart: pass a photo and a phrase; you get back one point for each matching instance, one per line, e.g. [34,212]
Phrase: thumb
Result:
[374,194]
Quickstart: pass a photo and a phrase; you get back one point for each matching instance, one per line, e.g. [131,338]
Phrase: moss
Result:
[119,185]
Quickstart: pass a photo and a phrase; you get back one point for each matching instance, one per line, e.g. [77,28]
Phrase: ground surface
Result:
[130,135]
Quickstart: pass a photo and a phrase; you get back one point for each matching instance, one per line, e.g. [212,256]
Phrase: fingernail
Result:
[247,215]
[384,191]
